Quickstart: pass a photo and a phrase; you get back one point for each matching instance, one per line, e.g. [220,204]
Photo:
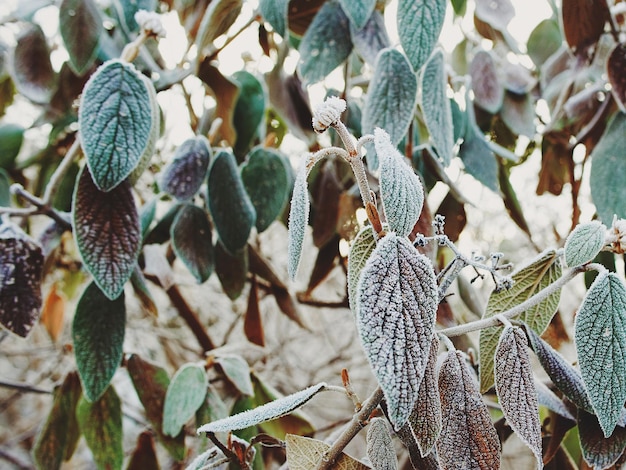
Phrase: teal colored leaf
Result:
[107,232]
[249,111]
[155,131]
[359,11]
[298,220]
[478,159]
[184,175]
[598,451]
[436,106]
[192,241]
[584,243]
[11,138]
[142,292]
[116,122]
[101,424]
[98,335]
[237,371]
[326,43]
[370,39]
[544,41]
[160,233]
[146,216]
[81,26]
[5,189]
[230,206]
[268,183]
[380,449]
[608,190]
[184,396]
[280,407]
[130,7]
[275,13]
[392,95]
[360,250]
[33,74]
[397,306]
[419,26]
[600,337]
[400,188]
[488,91]
[231,270]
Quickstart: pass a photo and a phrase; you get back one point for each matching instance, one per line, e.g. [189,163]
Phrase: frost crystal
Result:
[328,113]
[616,235]
[150,22]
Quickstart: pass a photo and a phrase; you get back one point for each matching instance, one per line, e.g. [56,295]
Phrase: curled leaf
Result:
[298,220]
[599,451]
[360,250]
[584,243]
[187,171]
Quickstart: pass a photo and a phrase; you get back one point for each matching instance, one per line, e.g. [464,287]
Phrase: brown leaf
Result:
[252,323]
[144,455]
[347,223]
[33,74]
[53,312]
[288,306]
[301,13]
[554,171]
[326,206]
[231,270]
[558,427]
[616,68]
[324,263]
[583,22]
[304,453]
[454,212]
[225,93]
[488,91]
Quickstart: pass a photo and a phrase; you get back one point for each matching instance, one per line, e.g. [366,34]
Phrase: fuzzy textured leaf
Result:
[298,219]
[304,453]
[584,243]
[370,39]
[528,280]
[81,26]
[275,13]
[187,171]
[191,240]
[600,337]
[359,11]
[107,232]
[400,188]
[362,247]
[547,398]
[391,96]
[116,122]
[419,26]
[33,74]
[468,439]
[516,389]
[185,394]
[380,449]
[397,306]
[237,371]
[599,452]
[488,91]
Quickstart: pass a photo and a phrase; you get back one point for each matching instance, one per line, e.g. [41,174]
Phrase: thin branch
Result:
[22,387]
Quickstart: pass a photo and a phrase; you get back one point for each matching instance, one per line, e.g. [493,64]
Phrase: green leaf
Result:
[584,243]
[187,171]
[598,451]
[359,11]
[436,106]
[608,190]
[459,6]
[249,111]
[160,233]
[5,189]
[237,371]
[527,281]
[361,249]
[231,270]
[116,122]
[11,138]
[400,188]
[155,131]
[326,43]
[544,41]
[600,337]
[98,334]
[101,424]
[391,97]
[369,41]
[184,396]
[298,219]
[397,306]
[230,206]
[146,216]
[81,26]
[140,287]
[191,240]
[419,26]
[107,232]
[33,74]
[275,13]
[268,183]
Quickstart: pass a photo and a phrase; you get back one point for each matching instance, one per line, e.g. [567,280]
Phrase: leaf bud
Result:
[328,113]
[616,236]
[150,23]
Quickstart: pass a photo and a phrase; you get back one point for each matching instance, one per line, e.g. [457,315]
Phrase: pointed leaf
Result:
[600,336]
[468,439]
[116,122]
[146,216]
[478,159]
[237,371]
[304,453]
[391,96]
[547,398]
[583,22]
[326,43]
[362,247]
[101,424]
[144,456]
[231,208]
[218,17]
[400,188]
[226,93]
[430,462]
[191,240]
[616,68]
[497,13]
[544,41]
[359,11]
[231,270]
[584,243]
[488,91]
[298,220]
[53,312]
[81,27]
[275,13]
[185,394]
[398,300]
[249,111]
[598,451]
[21,269]
[516,389]
[187,171]
[370,39]
[107,232]
[527,281]
[419,26]
[380,449]
[33,74]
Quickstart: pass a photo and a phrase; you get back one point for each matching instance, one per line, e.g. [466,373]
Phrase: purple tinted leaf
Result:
[33,74]
[598,451]
[81,26]
[191,240]
[371,39]
[488,91]
[183,177]
[616,69]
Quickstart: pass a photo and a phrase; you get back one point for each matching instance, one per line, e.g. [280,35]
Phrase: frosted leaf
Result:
[304,453]
[584,243]
[397,298]
[275,409]
[598,451]
[184,175]
[150,22]
[547,398]
[516,389]
[360,250]
[600,337]
[380,448]
[468,439]
[298,220]
[328,113]
[400,188]
[185,394]
[237,371]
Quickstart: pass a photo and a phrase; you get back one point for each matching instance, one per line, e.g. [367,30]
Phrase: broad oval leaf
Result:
[527,281]
[583,22]
[21,270]
[33,74]
[598,451]
[191,240]
[275,13]
[391,96]
[11,139]
[81,27]
[518,113]
[400,188]
[544,41]
[218,17]
[419,26]
[600,337]
[488,90]
[231,270]
[370,39]
[249,111]
[98,334]
[359,11]
[380,449]
[275,409]
[616,70]
[116,122]
[468,439]
[362,247]
[298,219]
[516,389]
[185,394]
[230,206]
[304,453]
[497,13]
[436,106]
[107,232]
[607,177]
[326,43]
[268,183]
[186,172]
[397,306]
[237,371]
[584,243]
